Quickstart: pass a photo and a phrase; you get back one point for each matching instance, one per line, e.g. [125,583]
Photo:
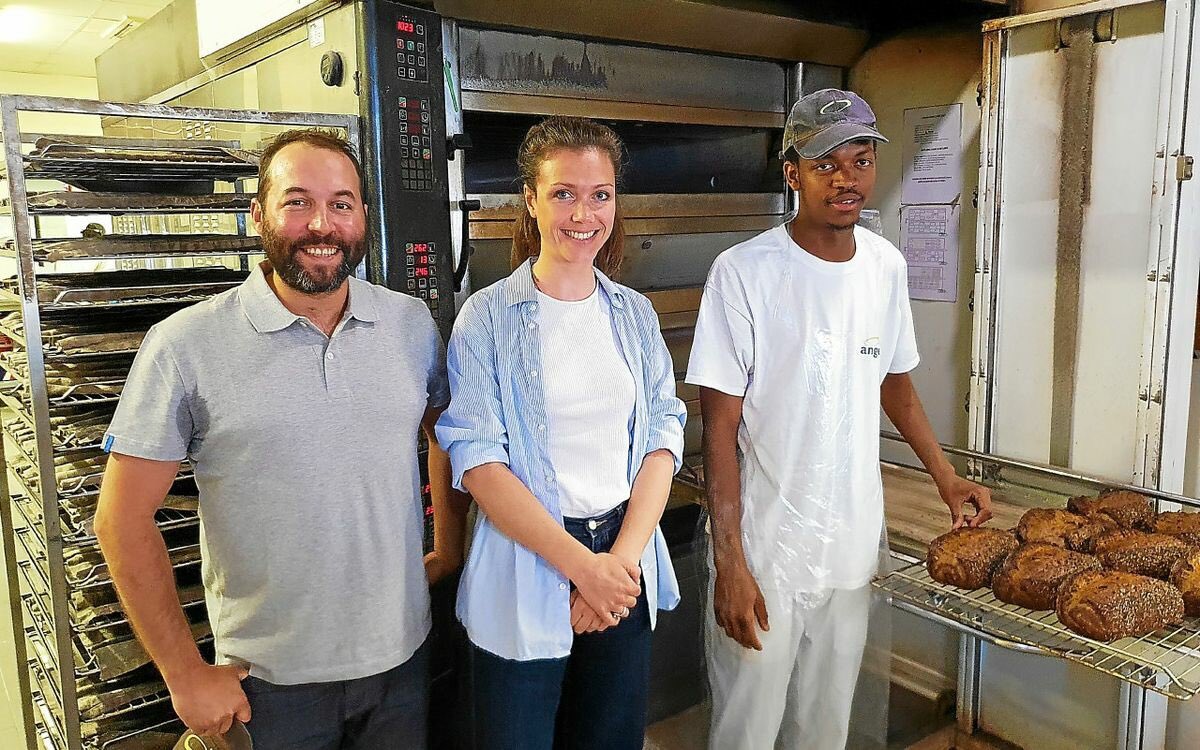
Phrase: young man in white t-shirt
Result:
[804,331]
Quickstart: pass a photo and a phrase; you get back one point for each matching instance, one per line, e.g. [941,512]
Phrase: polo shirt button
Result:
[562,587]
[329,355]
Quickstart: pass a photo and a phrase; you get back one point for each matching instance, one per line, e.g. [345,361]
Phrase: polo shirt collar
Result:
[519,286]
[267,314]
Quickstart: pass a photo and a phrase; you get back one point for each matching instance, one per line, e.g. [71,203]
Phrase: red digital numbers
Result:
[422,271]
[404,26]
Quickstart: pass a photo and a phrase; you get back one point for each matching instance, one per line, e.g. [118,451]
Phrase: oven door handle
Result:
[460,273]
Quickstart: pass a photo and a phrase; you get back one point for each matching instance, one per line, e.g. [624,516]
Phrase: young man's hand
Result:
[739,606]
[957,493]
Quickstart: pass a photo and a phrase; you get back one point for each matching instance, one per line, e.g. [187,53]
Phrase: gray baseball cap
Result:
[825,120]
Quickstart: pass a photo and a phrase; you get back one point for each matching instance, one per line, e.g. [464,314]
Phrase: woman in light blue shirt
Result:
[565,428]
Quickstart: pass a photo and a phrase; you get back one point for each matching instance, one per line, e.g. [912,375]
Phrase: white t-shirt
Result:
[807,344]
[589,394]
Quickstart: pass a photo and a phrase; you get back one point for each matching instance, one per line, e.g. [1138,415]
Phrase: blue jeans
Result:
[387,711]
[593,699]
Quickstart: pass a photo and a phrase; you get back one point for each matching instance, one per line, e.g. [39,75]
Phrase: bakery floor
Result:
[911,719]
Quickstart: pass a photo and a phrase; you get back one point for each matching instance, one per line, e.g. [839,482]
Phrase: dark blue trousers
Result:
[593,699]
[387,711]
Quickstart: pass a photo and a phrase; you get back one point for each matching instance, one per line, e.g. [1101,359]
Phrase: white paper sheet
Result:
[932,155]
[929,241]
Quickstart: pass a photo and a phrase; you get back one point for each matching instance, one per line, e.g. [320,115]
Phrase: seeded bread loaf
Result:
[1128,509]
[1062,528]
[1176,522]
[967,557]
[1139,552]
[1110,604]
[1185,575]
[1030,576]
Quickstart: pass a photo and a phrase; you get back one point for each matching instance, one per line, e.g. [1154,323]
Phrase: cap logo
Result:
[835,106]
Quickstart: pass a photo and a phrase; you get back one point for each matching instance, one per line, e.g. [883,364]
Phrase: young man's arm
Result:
[737,600]
[903,406]
[449,508]
[207,698]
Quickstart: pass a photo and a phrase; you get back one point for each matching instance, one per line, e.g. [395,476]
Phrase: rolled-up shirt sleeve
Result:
[666,413]
[471,429]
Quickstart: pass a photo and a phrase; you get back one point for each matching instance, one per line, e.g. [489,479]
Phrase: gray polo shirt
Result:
[306,458]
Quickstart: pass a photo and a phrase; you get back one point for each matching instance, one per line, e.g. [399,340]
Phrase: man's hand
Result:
[739,606]
[957,492]
[607,586]
[584,619]
[207,699]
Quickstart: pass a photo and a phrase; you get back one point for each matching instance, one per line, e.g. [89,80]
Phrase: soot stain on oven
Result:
[549,64]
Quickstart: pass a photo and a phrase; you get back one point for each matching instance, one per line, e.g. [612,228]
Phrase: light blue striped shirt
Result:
[512,602]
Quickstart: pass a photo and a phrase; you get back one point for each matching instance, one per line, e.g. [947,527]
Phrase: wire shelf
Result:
[118,618]
[1166,661]
[21,411]
[46,719]
[140,246]
[72,202]
[18,408]
[184,556]
[118,738]
[83,535]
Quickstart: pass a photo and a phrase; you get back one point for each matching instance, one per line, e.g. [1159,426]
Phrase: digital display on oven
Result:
[405,26]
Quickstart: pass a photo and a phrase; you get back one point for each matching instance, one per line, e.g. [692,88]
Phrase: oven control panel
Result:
[420,258]
[411,57]
[416,144]
[404,125]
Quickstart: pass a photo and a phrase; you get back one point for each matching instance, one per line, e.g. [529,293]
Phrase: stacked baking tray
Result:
[74,336]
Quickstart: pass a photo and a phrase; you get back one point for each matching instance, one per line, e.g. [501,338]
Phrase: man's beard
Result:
[282,255]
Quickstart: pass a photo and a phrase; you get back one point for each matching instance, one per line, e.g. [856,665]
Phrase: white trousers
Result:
[797,692]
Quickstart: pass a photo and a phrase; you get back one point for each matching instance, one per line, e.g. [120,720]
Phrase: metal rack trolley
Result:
[52,626]
[1165,662]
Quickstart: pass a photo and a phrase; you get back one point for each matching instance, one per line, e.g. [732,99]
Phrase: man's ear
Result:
[256,214]
[791,173]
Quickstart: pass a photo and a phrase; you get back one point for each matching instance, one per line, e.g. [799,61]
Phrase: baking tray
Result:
[85,202]
[135,246]
[105,288]
[1166,661]
[109,166]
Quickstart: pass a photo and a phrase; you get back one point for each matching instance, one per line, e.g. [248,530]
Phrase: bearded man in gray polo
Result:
[297,397]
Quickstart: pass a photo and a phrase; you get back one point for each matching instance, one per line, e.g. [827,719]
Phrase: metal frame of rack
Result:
[40,537]
[1165,662]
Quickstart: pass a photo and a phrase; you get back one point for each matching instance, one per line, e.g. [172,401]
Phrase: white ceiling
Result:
[71,34]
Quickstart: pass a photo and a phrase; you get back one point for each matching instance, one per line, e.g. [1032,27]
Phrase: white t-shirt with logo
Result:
[807,344]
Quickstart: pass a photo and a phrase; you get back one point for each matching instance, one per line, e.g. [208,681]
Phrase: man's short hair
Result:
[328,140]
